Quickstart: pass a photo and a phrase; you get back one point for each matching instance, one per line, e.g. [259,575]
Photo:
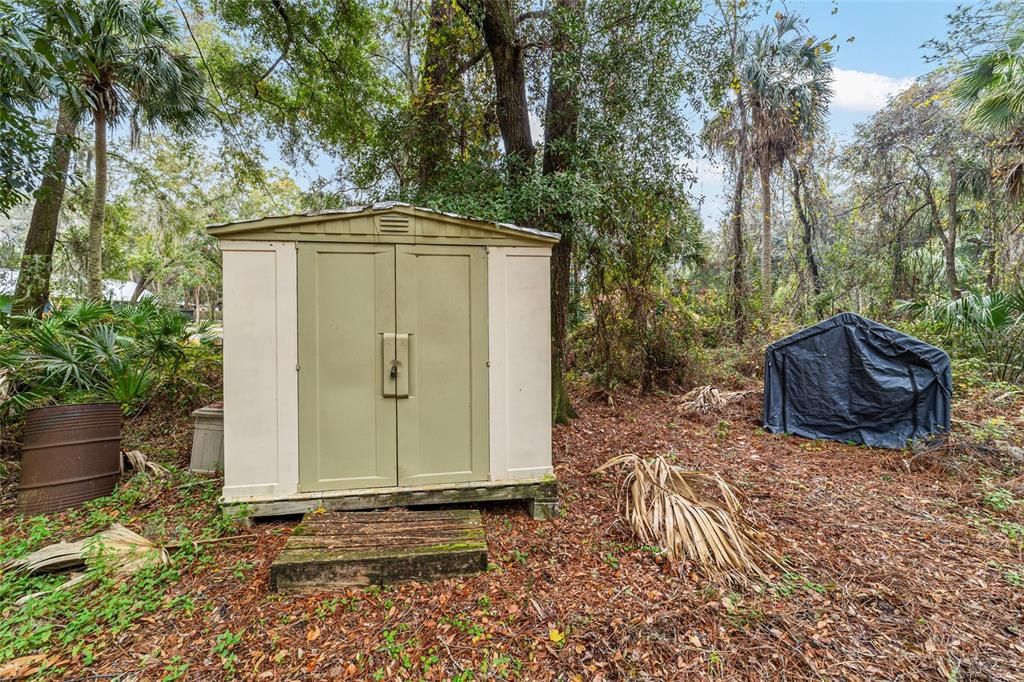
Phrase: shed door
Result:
[442,306]
[347,428]
[393,365]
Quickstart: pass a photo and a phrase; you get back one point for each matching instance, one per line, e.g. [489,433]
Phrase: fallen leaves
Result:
[27,666]
[904,593]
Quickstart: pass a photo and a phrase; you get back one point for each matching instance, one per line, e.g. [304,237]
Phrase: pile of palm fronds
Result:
[706,399]
[694,516]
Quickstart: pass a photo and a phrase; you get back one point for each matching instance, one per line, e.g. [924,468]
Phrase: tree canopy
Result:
[590,118]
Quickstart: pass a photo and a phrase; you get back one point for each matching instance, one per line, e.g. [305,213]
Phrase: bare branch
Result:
[533,14]
[473,61]
[279,6]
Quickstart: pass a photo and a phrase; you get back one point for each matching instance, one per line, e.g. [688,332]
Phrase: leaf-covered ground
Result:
[890,574]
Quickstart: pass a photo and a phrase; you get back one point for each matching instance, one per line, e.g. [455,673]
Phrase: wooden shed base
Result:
[330,550]
[541,495]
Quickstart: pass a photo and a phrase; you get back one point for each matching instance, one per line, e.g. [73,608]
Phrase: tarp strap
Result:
[913,407]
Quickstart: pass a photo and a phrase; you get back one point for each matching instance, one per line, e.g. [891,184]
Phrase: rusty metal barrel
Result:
[70,454]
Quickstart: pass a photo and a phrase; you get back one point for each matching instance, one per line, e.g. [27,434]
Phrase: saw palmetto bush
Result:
[986,325]
[694,516]
[90,351]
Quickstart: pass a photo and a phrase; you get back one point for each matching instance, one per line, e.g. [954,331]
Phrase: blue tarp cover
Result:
[849,378]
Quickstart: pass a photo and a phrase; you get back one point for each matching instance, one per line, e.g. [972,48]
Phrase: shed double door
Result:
[392,365]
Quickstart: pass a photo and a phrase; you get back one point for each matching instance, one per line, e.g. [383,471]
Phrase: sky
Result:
[883,58]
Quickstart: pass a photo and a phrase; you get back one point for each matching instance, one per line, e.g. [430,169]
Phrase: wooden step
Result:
[331,550]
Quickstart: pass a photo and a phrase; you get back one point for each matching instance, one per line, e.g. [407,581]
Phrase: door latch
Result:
[395,365]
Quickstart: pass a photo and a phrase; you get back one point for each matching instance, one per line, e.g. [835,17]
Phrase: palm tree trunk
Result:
[33,288]
[766,235]
[736,285]
[94,283]
[736,288]
[950,241]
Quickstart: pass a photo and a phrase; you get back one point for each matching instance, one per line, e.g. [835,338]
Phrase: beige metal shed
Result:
[385,355]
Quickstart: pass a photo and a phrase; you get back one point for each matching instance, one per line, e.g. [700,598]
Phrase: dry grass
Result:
[695,516]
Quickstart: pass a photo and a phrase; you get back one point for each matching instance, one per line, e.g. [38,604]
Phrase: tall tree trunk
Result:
[33,288]
[437,79]
[561,256]
[898,270]
[560,128]
[498,24]
[737,287]
[950,241]
[808,238]
[94,283]
[992,233]
[766,235]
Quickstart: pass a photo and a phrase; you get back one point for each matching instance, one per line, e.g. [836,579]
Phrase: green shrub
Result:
[638,337]
[988,326]
[89,351]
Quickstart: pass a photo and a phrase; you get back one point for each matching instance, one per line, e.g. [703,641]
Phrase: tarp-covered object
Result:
[849,378]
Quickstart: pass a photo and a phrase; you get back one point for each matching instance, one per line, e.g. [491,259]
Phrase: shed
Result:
[849,378]
[385,355]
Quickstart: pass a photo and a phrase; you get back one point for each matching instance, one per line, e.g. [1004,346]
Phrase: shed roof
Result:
[255,225]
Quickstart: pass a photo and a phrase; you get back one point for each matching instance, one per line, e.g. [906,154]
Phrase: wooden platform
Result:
[330,550]
[540,493]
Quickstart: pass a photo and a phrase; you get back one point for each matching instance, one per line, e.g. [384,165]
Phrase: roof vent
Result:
[393,223]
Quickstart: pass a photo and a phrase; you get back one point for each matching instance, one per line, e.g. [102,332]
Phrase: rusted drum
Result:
[70,454]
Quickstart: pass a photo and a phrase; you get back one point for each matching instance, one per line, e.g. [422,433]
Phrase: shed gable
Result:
[398,224]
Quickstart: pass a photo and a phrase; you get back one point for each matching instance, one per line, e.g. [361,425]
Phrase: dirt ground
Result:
[890,574]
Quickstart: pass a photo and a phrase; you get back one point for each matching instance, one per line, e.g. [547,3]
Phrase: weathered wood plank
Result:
[544,492]
[329,550]
[397,540]
[385,525]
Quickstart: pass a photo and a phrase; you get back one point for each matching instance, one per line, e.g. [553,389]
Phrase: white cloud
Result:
[863,92]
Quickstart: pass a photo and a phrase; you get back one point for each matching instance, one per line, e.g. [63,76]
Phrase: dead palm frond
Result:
[694,516]
[142,463]
[707,399]
[124,550]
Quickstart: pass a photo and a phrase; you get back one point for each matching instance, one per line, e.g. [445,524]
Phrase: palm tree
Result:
[727,133]
[129,63]
[991,86]
[786,76]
